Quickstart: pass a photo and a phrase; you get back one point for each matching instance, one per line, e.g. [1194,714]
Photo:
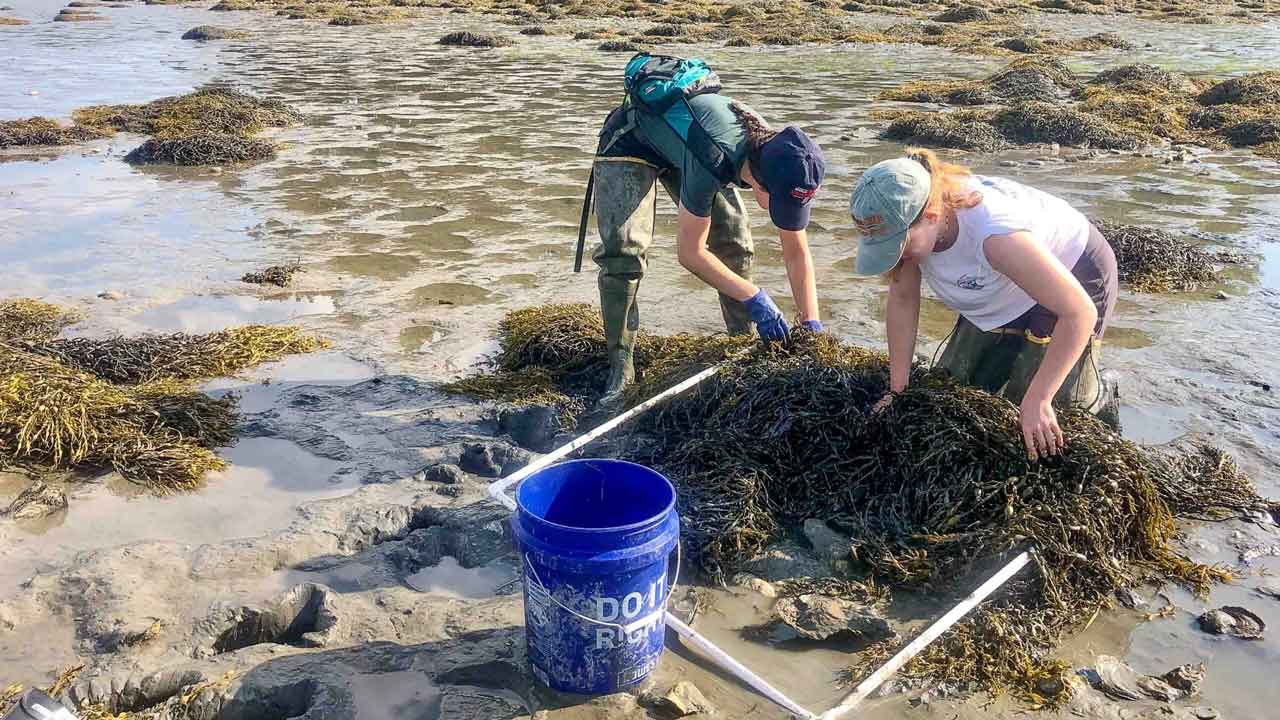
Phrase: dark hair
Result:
[758,131]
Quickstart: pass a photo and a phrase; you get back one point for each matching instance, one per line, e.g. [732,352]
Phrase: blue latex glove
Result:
[814,325]
[768,318]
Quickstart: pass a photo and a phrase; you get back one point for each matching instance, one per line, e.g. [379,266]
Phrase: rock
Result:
[496,459]
[1233,620]
[827,543]
[1036,163]
[1186,678]
[1130,599]
[38,500]
[816,617]
[1206,713]
[534,427]
[445,473]
[1270,589]
[1113,678]
[755,584]
[683,699]
[111,295]
[1158,689]
[1120,682]
[1222,296]
[1009,163]
[1051,687]
[209,32]
[785,561]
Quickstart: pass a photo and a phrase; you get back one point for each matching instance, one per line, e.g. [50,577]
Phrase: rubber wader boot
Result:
[1109,413]
[737,319]
[621,316]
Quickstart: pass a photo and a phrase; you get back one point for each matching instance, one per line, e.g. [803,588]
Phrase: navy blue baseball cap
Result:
[791,169]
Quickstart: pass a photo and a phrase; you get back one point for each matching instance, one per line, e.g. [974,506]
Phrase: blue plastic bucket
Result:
[596,537]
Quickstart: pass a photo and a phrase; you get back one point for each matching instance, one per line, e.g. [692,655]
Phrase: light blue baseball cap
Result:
[887,199]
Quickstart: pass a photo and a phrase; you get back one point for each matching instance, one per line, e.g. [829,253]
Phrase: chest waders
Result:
[623,193]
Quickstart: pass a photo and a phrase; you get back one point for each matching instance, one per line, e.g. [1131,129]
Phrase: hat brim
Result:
[788,213]
[879,257]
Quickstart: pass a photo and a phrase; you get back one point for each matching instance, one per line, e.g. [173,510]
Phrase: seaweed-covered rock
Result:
[533,30]
[464,38]
[1142,77]
[278,275]
[1254,132]
[201,149]
[211,32]
[957,130]
[1256,89]
[618,46]
[352,20]
[1028,45]
[964,14]
[1039,122]
[664,31]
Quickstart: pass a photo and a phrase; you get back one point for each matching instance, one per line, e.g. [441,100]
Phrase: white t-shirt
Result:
[961,275]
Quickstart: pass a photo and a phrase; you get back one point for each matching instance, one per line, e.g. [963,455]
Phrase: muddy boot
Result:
[621,317]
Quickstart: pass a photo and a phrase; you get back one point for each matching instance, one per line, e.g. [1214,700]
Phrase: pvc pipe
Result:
[498,490]
[739,670]
[877,678]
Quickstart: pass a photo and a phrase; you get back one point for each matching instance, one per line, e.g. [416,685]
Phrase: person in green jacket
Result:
[637,149]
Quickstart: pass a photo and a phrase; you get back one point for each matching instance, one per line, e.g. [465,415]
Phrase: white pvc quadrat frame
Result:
[498,491]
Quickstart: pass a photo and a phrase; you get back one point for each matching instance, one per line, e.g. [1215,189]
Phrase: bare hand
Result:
[1040,428]
[883,403]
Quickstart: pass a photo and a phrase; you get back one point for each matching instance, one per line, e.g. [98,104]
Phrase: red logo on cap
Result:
[804,195]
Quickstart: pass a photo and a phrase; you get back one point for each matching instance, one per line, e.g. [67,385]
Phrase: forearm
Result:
[902,325]
[800,273]
[1070,337]
[710,270]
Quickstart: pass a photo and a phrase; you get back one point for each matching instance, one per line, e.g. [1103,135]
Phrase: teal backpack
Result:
[662,85]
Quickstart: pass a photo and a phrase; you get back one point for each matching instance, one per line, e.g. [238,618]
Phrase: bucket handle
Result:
[624,629]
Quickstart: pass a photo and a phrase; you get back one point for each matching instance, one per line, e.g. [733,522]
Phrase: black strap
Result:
[582,223]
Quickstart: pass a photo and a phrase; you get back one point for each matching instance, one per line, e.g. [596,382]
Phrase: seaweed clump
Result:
[556,356]
[202,149]
[122,403]
[40,131]
[930,490]
[211,126]
[1154,261]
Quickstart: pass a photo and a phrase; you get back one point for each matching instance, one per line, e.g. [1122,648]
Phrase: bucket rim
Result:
[665,512]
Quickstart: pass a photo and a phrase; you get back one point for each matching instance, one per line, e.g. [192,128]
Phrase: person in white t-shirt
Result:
[1034,283]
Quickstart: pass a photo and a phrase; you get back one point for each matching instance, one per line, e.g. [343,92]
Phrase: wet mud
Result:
[422,210]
